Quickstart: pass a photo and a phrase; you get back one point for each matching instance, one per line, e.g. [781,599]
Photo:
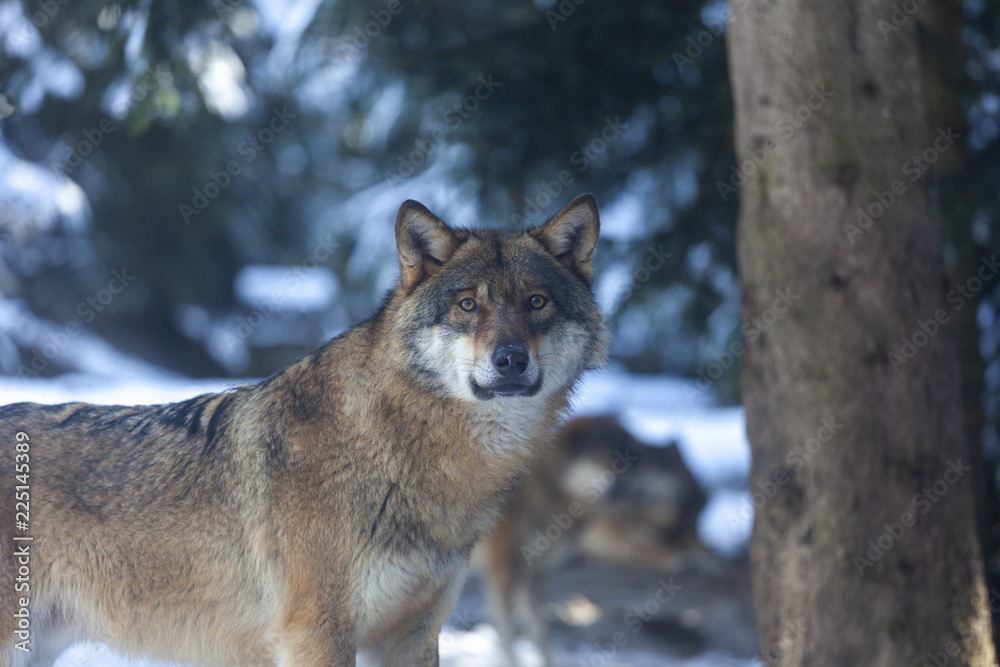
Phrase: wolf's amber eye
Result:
[537,301]
[467,304]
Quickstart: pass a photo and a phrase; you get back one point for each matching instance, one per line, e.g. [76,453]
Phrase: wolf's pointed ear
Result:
[424,242]
[572,234]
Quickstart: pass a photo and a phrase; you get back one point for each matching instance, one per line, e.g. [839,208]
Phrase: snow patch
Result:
[288,288]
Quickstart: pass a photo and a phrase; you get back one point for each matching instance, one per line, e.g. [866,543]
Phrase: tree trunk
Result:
[943,57]
[864,549]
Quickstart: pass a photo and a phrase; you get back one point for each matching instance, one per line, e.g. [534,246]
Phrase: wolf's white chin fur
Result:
[453,359]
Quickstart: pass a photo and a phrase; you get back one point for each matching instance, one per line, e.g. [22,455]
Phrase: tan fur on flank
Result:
[327,512]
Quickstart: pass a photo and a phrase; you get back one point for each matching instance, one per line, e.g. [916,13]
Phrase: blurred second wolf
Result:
[599,494]
[327,513]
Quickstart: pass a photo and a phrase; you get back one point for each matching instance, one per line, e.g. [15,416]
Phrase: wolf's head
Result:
[493,314]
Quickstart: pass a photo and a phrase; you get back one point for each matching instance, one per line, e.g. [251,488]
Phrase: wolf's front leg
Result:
[415,643]
[314,631]
[414,647]
[313,645]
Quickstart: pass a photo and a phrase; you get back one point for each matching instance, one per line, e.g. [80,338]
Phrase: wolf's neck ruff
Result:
[334,505]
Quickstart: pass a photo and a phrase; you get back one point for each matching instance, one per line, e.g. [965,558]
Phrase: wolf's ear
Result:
[424,242]
[572,234]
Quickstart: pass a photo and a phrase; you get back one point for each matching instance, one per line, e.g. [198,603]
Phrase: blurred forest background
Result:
[211,186]
[121,119]
[188,141]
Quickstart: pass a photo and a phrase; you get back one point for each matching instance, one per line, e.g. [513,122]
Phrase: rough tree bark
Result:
[943,58]
[864,549]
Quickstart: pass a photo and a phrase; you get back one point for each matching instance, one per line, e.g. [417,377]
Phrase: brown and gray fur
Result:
[329,511]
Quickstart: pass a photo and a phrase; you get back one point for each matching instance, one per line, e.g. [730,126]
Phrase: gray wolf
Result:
[326,514]
[598,494]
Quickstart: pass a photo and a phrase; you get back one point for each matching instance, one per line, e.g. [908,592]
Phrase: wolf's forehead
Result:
[500,266]
[495,284]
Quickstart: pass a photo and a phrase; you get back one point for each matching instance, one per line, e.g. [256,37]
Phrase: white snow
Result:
[34,199]
[289,288]
[69,344]
[712,440]
[480,646]
[88,388]
[726,521]
[86,654]
[221,79]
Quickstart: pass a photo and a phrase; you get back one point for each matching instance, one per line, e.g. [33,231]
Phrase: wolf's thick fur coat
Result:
[329,510]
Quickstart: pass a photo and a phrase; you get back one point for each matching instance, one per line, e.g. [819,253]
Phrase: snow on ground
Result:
[656,409]
[477,647]
[146,389]
[480,647]
[86,654]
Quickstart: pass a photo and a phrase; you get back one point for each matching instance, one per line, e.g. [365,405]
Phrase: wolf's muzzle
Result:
[510,361]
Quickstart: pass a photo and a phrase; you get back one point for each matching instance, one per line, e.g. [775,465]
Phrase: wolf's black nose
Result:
[510,361]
